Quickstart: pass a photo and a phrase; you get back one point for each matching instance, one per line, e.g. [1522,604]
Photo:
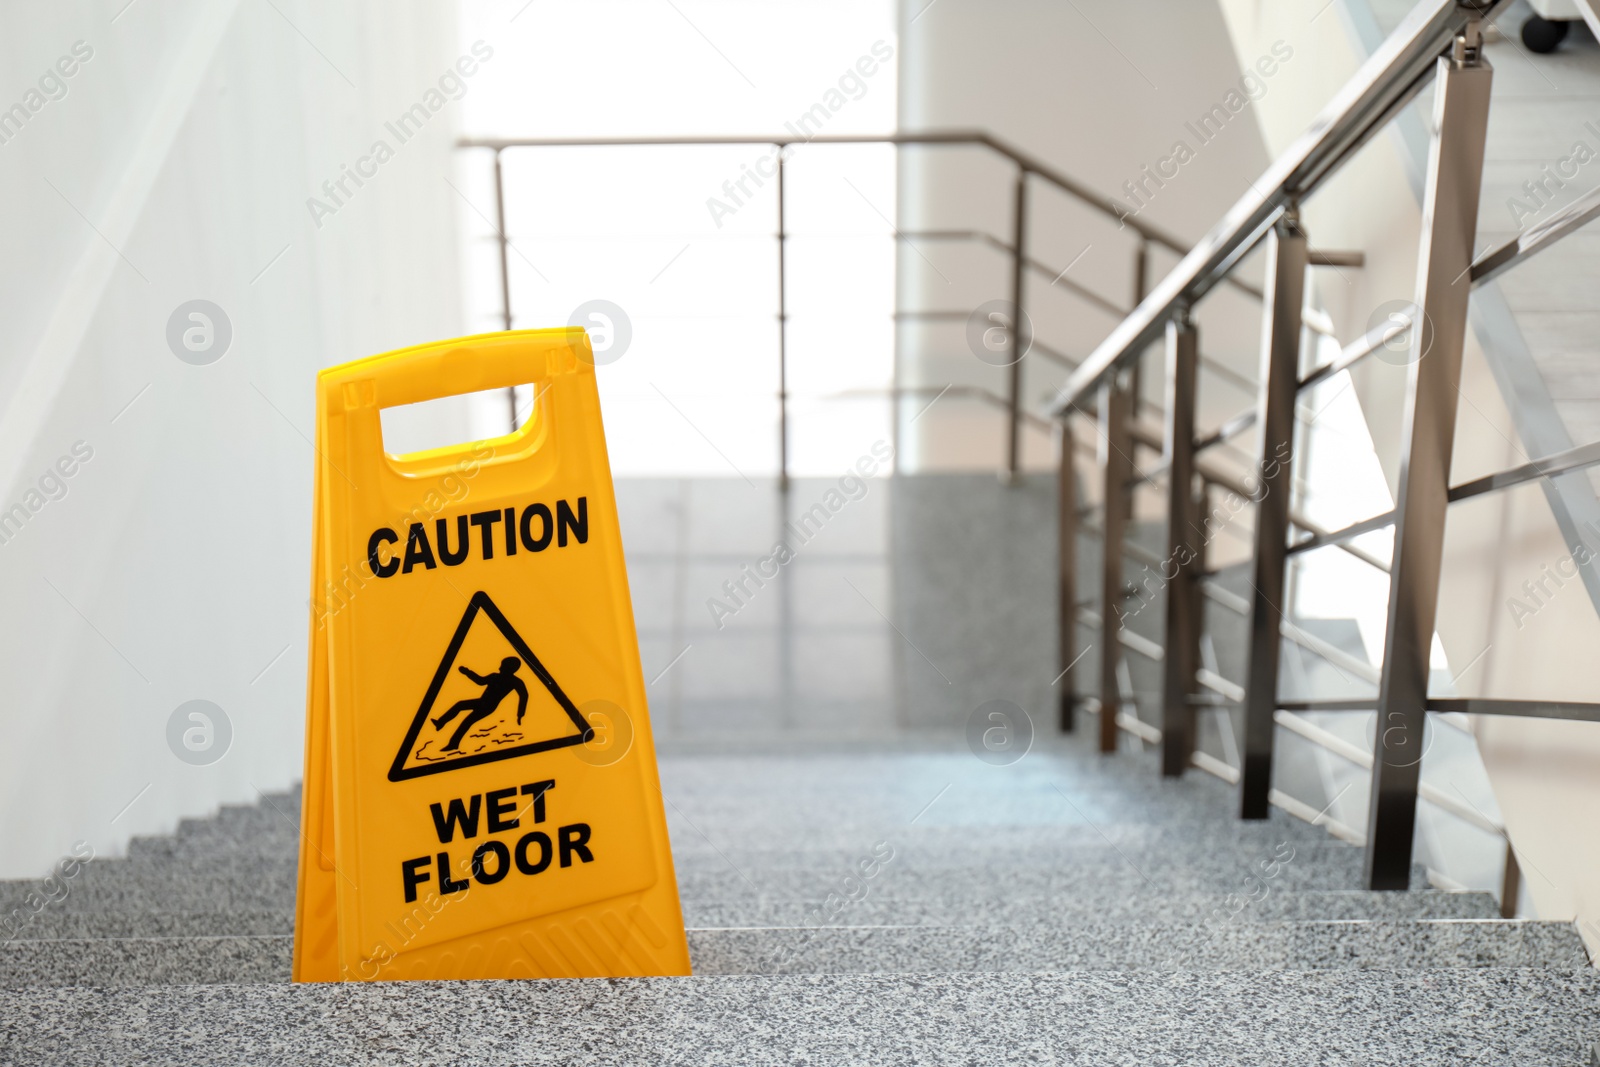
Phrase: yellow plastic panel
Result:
[468,603]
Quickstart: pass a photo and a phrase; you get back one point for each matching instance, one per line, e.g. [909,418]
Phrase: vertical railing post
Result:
[505,272]
[896,414]
[1449,228]
[1067,570]
[1019,230]
[1510,883]
[1116,466]
[783,339]
[1141,286]
[1280,367]
[1181,631]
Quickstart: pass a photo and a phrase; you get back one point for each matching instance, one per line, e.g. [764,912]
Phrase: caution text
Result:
[454,539]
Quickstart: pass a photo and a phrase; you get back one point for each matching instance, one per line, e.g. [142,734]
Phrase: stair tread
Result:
[1424,1018]
[1014,909]
[1211,946]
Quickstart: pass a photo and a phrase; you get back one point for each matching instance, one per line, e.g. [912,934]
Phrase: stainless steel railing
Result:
[1027,169]
[1439,43]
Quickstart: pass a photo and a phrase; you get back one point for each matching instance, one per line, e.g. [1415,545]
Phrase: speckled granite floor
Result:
[1069,907]
[1528,1018]
[1066,908]
[1043,948]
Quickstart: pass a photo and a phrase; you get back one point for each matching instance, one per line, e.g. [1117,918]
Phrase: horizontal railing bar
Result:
[1153,651]
[1031,164]
[954,235]
[1332,653]
[1043,269]
[1335,537]
[1354,353]
[1317,321]
[1205,761]
[1142,645]
[1362,758]
[1146,437]
[1232,484]
[1152,475]
[1207,363]
[932,315]
[1570,460]
[1573,711]
[1326,258]
[1132,724]
[1323,739]
[1058,277]
[1028,164]
[1224,597]
[1525,246]
[1352,704]
[1393,75]
[1245,419]
[1232,691]
[1532,709]
[1227,431]
[1306,813]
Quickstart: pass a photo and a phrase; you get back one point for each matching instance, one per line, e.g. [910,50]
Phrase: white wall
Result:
[1098,90]
[174,564]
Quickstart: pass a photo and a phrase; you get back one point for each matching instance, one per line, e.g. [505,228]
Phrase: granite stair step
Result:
[1249,855]
[950,910]
[1221,946]
[259,886]
[1211,946]
[55,924]
[753,841]
[1265,852]
[1423,1018]
[953,909]
[1100,878]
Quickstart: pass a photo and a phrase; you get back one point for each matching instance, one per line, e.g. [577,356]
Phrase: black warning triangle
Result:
[448,742]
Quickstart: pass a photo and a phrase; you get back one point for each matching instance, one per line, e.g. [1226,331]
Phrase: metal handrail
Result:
[1043,270]
[1388,81]
[1027,166]
[1029,163]
[1021,262]
[1440,42]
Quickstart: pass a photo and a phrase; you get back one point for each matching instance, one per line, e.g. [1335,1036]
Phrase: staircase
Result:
[886,902]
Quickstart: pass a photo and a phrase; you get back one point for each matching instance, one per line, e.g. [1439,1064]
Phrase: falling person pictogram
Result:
[459,726]
[496,687]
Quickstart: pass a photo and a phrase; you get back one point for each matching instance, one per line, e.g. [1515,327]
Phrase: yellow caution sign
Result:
[481,797]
